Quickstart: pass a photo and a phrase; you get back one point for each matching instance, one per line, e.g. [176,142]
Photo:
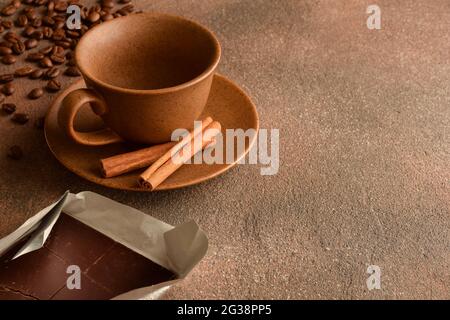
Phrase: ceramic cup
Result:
[146,75]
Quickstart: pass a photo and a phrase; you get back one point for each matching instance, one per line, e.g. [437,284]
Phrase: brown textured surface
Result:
[364,122]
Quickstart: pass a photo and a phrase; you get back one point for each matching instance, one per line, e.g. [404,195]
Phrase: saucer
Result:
[227,104]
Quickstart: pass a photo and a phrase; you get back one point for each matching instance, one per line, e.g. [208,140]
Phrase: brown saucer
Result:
[227,104]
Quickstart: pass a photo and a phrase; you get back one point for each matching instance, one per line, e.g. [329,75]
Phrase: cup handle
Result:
[69,108]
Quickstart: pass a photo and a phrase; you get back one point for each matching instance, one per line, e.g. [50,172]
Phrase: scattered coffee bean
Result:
[11,37]
[19,47]
[35,56]
[6,77]
[47,32]
[7,24]
[9,108]
[36,22]
[8,10]
[57,59]
[53,85]
[22,20]
[61,6]
[72,72]
[24,71]
[16,3]
[52,73]
[31,43]
[36,74]
[38,35]
[5,51]
[94,17]
[9,59]
[8,89]
[58,34]
[46,63]
[20,118]
[57,50]
[46,50]
[28,31]
[15,152]
[48,21]
[36,93]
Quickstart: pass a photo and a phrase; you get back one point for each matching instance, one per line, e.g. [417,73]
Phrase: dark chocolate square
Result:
[122,270]
[89,291]
[75,242]
[39,274]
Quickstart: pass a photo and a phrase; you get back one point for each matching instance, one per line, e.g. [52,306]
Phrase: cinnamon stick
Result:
[123,163]
[152,177]
[158,163]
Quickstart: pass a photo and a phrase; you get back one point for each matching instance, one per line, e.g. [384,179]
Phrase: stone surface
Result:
[364,120]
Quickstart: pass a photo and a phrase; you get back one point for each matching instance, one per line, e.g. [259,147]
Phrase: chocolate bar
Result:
[107,268]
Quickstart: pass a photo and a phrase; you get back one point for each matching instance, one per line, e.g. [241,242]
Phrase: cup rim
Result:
[200,77]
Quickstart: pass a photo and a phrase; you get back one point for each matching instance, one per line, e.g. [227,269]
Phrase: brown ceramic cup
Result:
[146,74]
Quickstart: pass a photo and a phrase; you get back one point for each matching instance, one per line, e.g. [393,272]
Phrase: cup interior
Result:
[147,52]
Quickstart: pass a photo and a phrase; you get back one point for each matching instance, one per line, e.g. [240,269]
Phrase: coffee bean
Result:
[8,10]
[47,32]
[9,59]
[11,37]
[38,35]
[57,50]
[72,34]
[36,22]
[59,25]
[30,13]
[8,89]
[7,24]
[124,1]
[28,31]
[53,85]
[52,73]
[6,44]
[2,29]
[27,1]
[46,50]
[72,72]
[48,21]
[35,56]
[20,118]
[108,4]
[93,17]
[24,71]
[57,59]
[9,108]
[61,6]
[31,43]
[2,97]
[16,3]
[46,63]
[22,20]
[6,77]
[5,51]
[36,93]
[15,152]
[18,47]
[39,123]
[64,44]
[107,17]
[58,34]
[36,74]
